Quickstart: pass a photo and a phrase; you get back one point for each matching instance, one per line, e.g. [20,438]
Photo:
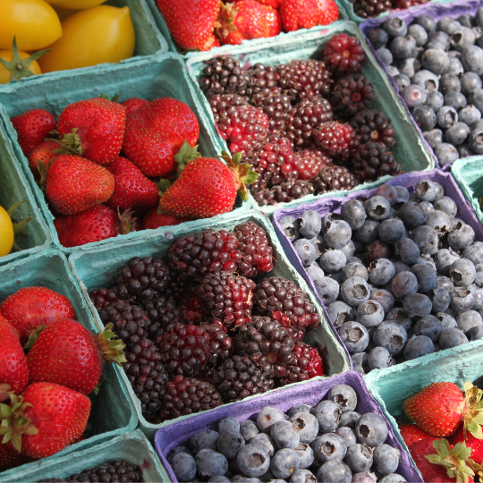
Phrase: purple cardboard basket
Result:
[436,11]
[311,393]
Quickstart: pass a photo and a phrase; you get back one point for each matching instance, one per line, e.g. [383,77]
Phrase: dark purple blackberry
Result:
[162,313]
[103,297]
[204,252]
[371,8]
[263,80]
[221,104]
[180,288]
[304,78]
[186,396]
[276,106]
[221,344]
[351,94]
[373,160]
[238,378]
[143,279]
[282,300]
[264,197]
[147,376]
[373,126]
[223,75]
[334,178]
[292,189]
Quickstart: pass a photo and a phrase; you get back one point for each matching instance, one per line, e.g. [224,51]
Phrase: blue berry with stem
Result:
[371,429]
[359,457]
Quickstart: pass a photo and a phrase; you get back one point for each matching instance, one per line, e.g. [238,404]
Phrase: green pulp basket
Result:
[112,413]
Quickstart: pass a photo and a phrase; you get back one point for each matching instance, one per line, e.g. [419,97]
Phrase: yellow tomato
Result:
[90,37]
[33,22]
[6,233]
[75,4]
[63,13]
[5,73]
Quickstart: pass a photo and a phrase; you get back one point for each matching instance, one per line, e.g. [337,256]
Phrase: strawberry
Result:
[328,12]
[133,104]
[13,364]
[75,184]
[31,307]
[66,353]
[32,128]
[440,462]
[245,20]
[475,444]
[132,189]
[271,3]
[410,433]
[155,133]
[152,220]
[299,14]
[42,154]
[44,419]
[93,128]
[191,22]
[206,187]
[11,458]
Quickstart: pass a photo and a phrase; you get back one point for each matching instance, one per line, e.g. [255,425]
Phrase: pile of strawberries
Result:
[43,394]
[442,410]
[100,167]
[203,24]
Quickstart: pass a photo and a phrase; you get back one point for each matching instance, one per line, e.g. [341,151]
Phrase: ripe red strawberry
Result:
[152,220]
[328,12]
[66,353]
[75,184]
[44,419]
[440,462]
[191,22]
[299,14]
[93,128]
[206,187]
[475,444]
[42,154]
[31,307]
[133,104]
[132,189]
[271,3]
[13,364]
[410,433]
[156,132]
[11,458]
[32,128]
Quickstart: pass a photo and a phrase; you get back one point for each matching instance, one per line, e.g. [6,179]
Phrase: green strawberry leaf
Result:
[186,154]
[475,429]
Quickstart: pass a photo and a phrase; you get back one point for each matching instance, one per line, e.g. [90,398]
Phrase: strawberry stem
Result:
[242,172]
[17,227]
[111,347]
[186,154]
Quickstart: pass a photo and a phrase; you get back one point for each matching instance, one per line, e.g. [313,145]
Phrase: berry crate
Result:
[410,150]
[149,78]
[14,188]
[112,413]
[99,267]
[132,447]
[310,393]
[468,173]
[334,204]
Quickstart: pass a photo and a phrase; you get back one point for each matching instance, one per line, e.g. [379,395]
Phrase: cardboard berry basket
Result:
[149,78]
[468,173]
[409,150]
[132,447]
[99,267]
[310,393]
[13,189]
[334,205]
[436,10]
[112,412]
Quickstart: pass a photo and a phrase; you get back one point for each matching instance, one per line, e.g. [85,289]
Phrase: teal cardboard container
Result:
[133,447]
[468,173]
[149,78]
[112,412]
[409,150]
[99,267]
[14,188]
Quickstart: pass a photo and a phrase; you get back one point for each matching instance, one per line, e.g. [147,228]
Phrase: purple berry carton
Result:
[311,393]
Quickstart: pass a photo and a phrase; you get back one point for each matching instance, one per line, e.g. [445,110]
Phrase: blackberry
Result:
[343,53]
[351,94]
[373,160]
[371,8]
[226,296]
[305,117]
[224,75]
[184,349]
[263,80]
[220,105]
[147,376]
[221,345]
[282,300]
[264,197]
[276,106]
[408,3]
[238,378]
[162,313]
[180,288]
[257,253]
[304,78]
[200,253]
[334,178]
[305,364]
[186,396]
[143,279]
[309,162]
[373,126]
[103,297]
[291,190]
[336,139]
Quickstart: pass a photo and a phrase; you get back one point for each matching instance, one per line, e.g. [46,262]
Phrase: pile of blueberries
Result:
[330,442]
[437,67]
[399,273]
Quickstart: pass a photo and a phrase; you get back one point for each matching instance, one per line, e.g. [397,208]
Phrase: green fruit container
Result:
[149,78]
[410,150]
[99,267]
[15,188]
[112,412]
[132,446]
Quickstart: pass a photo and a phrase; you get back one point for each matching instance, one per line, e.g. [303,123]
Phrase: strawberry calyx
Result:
[126,222]
[111,347]
[225,23]
[71,143]
[4,392]
[242,172]
[186,154]
[473,415]
[20,225]
[453,460]
[33,337]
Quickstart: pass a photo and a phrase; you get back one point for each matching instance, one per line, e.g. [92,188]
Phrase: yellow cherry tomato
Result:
[63,13]
[75,4]
[6,233]
[90,37]
[8,55]
[33,22]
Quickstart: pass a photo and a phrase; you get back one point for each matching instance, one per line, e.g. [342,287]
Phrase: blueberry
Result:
[403,48]
[327,289]
[439,37]
[455,66]
[430,326]
[413,95]
[393,478]
[368,232]
[359,457]
[479,17]
[175,451]
[446,154]
[328,414]
[476,98]
[205,439]
[333,261]
[447,25]
[355,291]
[461,236]
[447,116]
[378,37]
[337,233]
[467,20]
[355,336]
[447,205]
[309,224]
[344,396]
[230,442]
[395,27]
[462,38]
[364,477]
[449,83]
[402,81]
[478,295]
[444,258]
[228,424]
[328,447]
[379,357]
[384,297]
[462,272]
[319,244]
[474,252]
[385,55]
[470,81]
[371,429]
[306,251]
[451,338]
[386,459]
[407,250]
[300,408]
[417,305]
[392,230]
[404,283]
[412,214]
[349,419]
[398,315]
[370,314]
[288,225]
[184,466]
[253,460]
[355,269]
[378,208]
[211,463]
[353,213]
[305,454]
[314,271]
[248,429]
[469,115]
[426,276]
[475,333]
[456,100]
[425,117]
[440,298]
[269,416]
[434,100]
[418,33]
[436,61]
[472,58]
[218,479]
[402,194]
[464,150]
[426,238]
[305,425]
[285,463]
[427,22]
[427,207]
[340,313]
[391,336]
[462,299]
[303,476]
[467,320]
[245,479]
[265,441]
[475,140]
[334,471]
